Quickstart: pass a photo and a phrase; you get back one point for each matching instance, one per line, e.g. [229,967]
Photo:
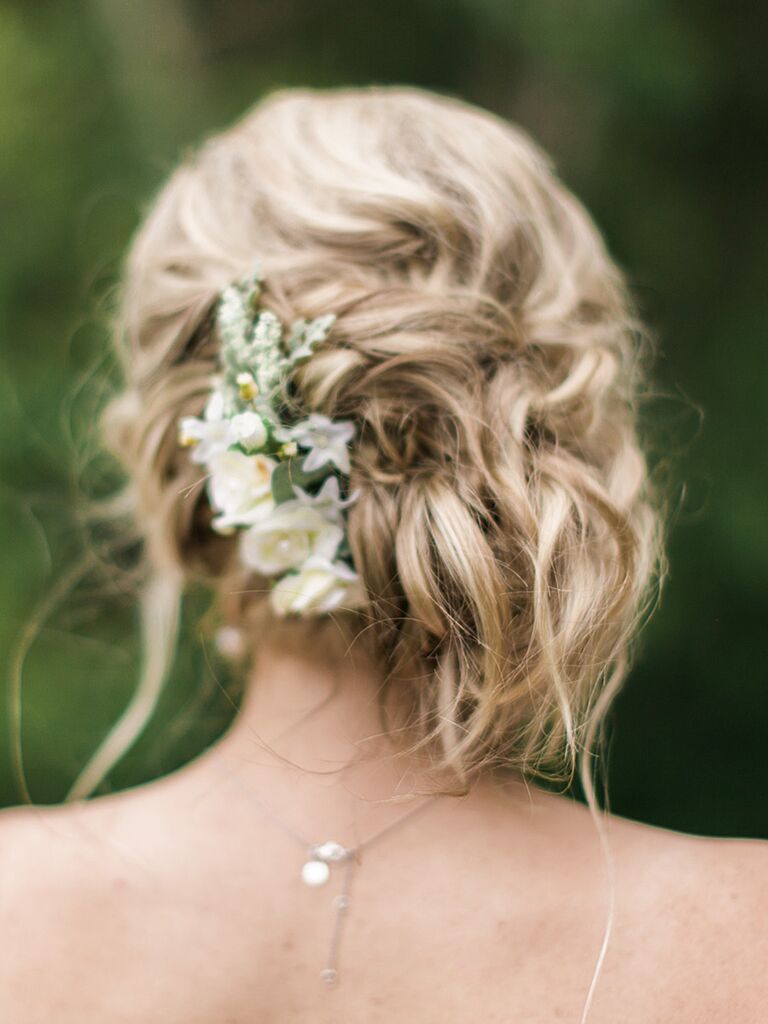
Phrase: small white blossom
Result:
[210,434]
[327,439]
[327,499]
[190,433]
[319,586]
[247,429]
[206,439]
[246,386]
[230,642]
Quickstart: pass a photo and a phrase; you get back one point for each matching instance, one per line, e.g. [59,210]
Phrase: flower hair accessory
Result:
[280,482]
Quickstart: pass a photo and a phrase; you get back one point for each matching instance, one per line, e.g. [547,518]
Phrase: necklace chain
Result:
[316,870]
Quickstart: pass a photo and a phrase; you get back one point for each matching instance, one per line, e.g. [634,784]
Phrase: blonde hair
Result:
[506,531]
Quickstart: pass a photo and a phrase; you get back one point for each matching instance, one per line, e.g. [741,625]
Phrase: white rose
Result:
[239,488]
[319,586]
[287,537]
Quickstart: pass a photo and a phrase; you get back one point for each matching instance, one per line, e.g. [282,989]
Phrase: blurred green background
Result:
[655,114]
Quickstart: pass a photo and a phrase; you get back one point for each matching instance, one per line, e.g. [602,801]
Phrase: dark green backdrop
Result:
[655,114]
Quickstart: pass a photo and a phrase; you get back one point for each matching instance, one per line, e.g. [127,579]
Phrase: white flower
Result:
[230,642]
[326,438]
[287,537]
[206,439]
[211,435]
[239,488]
[319,586]
[327,500]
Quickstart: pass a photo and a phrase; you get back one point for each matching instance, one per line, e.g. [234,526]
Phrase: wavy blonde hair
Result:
[485,345]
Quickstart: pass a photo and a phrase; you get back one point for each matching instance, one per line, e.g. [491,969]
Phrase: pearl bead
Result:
[315,872]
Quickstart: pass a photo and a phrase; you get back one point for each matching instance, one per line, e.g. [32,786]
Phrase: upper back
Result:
[146,907]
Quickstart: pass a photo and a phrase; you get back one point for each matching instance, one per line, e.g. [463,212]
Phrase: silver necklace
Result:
[320,860]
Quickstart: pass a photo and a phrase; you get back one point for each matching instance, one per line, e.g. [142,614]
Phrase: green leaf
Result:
[291,473]
[282,488]
[305,334]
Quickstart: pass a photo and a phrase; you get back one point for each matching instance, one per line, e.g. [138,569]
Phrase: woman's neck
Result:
[308,747]
[311,723]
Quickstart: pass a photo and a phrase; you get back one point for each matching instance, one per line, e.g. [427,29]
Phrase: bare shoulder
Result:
[689,934]
[41,848]
[723,878]
[44,846]
[696,908]
[61,855]
[51,859]
[63,895]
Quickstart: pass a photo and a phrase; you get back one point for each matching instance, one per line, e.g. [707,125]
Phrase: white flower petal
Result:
[287,537]
[319,586]
[327,440]
[214,408]
[239,486]
[248,429]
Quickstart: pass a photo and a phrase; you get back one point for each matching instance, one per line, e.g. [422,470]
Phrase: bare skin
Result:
[180,901]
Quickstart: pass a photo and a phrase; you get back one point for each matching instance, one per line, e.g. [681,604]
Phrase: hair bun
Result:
[485,347]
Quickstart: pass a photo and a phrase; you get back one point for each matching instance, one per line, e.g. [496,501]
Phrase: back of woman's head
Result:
[484,346]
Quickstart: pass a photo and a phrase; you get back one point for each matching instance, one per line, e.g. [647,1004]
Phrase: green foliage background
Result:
[655,114]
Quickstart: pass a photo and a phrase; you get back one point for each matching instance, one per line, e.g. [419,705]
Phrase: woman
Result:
[381,393]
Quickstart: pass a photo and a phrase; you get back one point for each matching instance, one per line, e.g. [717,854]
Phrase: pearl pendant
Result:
[316,871]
